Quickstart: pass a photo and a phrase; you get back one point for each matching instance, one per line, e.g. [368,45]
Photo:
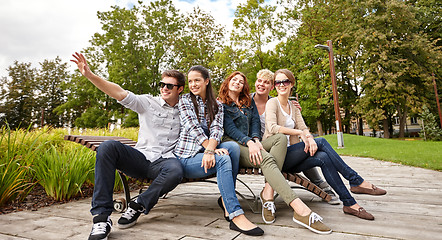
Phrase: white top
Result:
[262,118]
[159,125]
[289,122]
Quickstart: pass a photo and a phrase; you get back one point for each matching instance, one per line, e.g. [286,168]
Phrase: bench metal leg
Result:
[252,203]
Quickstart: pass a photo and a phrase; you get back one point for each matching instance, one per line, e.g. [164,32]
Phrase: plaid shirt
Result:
[191,133]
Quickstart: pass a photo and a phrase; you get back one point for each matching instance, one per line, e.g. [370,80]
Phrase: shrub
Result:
[63,171]
[430,129]
[17,151]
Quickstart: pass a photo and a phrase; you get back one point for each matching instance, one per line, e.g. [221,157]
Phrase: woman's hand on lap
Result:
[208,161]
[255,152]
[306,142]
[221,151]
[313,147]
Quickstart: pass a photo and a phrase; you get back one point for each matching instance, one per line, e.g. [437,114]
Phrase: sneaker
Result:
[129,218]
[101,228]
[313,222]
[268,210]
[334,199]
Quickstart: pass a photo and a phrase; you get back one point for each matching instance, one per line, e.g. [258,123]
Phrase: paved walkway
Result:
[412,209]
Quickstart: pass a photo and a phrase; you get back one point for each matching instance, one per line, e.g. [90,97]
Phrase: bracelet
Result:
[308,135]
[208,151]
[255,139]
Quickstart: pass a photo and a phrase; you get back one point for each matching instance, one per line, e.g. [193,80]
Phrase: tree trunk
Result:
[319,125]
[402,121]
[386,128]
[361,127]
[347,123]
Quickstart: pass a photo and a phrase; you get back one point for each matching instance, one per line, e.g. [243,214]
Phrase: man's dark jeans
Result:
[331,164]
[166,173]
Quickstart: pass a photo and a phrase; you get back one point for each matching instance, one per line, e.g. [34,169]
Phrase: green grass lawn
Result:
[416,153]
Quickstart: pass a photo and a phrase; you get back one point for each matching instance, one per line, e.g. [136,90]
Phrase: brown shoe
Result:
[372,191]
[361,213]
[268,209]
[313,222]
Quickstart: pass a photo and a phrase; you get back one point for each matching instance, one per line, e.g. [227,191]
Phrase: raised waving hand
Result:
[81,62]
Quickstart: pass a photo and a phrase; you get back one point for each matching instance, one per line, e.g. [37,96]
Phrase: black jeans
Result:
[166,173]
[331,164]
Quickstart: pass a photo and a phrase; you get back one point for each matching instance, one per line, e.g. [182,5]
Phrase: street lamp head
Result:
[323,47]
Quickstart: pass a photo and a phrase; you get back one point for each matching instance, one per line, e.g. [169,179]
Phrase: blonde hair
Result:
[267,75]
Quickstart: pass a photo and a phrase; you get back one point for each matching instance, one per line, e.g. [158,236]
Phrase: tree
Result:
[430,129]
[396,59]
[199,42]
[50,95]
[134,48]
[430,20]
[18,97]
[314,22]
[254,28]
[83,95]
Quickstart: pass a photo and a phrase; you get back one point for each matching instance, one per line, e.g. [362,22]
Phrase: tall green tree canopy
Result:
[18,95]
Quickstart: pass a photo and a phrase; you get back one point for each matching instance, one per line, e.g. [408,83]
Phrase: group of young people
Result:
[198,134]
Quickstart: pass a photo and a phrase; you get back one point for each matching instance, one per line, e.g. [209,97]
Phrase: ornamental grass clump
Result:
[17,153]
[63,171]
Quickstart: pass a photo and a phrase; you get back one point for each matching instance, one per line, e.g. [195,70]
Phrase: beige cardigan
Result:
[275,119]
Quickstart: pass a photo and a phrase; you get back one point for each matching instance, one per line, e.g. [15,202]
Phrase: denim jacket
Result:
[242,126]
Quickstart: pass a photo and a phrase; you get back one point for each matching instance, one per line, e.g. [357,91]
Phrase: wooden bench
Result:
[93,142]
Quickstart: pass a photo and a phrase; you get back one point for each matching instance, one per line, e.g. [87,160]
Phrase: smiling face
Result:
[170,96]
[197,84]
[281,88]
[263,86]
[236,84]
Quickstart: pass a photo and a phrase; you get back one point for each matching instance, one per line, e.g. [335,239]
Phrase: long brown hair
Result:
[244,96]
[211,104]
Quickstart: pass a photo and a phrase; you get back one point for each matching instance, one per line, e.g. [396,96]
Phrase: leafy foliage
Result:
[50,78]
[397,59]
[254,28]
[430,128]
[18,98]
[18,151]
[62,172]
[384,51]
[199,42]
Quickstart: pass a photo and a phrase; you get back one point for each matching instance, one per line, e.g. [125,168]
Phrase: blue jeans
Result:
[166,174]
[226,169]
[330,162]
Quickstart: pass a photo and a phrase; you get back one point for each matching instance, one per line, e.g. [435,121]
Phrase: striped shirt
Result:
[192,133]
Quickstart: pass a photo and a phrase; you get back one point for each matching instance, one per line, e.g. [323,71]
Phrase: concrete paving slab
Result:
[412,209]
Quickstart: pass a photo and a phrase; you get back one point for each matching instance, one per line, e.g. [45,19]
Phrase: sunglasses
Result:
[284,82]
[168,85]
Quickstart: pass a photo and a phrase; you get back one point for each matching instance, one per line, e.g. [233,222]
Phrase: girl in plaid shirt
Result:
[200,151]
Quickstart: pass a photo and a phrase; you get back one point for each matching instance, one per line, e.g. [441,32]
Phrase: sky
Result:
[35,30]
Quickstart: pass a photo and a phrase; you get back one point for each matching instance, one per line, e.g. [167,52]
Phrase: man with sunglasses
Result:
[151,158]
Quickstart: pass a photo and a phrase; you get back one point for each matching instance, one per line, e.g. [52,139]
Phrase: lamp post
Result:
[329,49]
